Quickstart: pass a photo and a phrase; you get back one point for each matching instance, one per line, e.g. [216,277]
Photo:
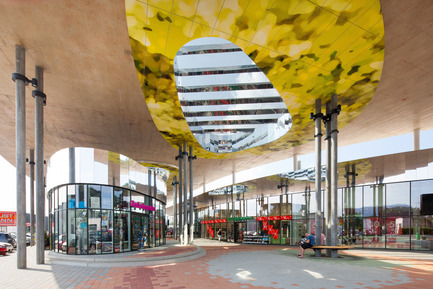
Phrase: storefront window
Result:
[107,231]
[62,230]
[126,199]
[137,199]
[81,231]
[223,210]
[237,205]
[251,207]
[56,231]
[71,197]
[81,197]
[95,196]
[106,197]
[94,224]
[69,245]
[262,206]
[352,220]
[299,208]
[374,216]
[422,215]
[62,197]
[397,216]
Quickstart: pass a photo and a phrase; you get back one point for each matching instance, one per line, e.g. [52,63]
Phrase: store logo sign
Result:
[142,206]
[8,218]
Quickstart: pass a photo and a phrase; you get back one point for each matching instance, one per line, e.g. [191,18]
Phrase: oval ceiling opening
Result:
[228,102]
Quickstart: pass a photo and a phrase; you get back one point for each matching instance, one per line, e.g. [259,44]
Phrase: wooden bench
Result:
[339,247]
[334,249]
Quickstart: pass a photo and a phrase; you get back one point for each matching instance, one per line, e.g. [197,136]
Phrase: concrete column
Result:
[185,193]
[191,198]
[20,130]
[71,165]
[416,139]
[174,207]
[40,185]
[32,196]
[180,194]
[318,137]
[328,179]
[334,175]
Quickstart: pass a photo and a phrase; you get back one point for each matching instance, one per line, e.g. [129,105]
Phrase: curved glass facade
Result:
[95,216]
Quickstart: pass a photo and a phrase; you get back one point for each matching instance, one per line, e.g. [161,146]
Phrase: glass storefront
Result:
[102,202]
[112,222]
[385,216]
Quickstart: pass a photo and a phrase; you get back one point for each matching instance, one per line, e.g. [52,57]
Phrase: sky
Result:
[392,145]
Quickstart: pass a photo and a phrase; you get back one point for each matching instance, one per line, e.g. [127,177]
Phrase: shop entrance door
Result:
[240,230]
[285,233]
[140,231]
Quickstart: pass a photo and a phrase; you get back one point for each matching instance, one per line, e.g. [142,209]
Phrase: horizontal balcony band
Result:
[199,61]
[222,79]
[234,107]
[228,94]
[233,117]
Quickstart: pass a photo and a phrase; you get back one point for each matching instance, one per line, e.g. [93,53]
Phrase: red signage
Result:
[8,218]
[274,218]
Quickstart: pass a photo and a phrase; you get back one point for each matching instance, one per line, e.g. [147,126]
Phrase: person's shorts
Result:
[306,246]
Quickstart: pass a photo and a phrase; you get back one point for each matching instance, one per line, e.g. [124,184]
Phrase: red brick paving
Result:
[193,274]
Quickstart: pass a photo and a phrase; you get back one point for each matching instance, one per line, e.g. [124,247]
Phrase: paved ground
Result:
[212,264]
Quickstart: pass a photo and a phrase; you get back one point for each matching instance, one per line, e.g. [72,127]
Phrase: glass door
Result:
[140,231]
[240,229]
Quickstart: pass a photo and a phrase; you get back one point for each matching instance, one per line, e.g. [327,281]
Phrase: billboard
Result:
[8,218]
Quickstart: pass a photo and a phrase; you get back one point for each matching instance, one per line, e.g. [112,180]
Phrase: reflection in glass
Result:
[228,102]
[62,197]
[70,245]
[94,224]
[94,196]
[81,197]
[71,197]
[81,231]
[107,197]
[107,231]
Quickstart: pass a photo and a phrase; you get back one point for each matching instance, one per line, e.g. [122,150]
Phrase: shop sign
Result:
[214,221]
[142,206]
[237,219]
[8,218]
[275,218]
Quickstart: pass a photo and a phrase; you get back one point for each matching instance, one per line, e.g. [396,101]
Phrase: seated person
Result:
[307,244]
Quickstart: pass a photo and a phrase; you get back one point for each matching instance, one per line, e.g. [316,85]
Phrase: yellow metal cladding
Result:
[307,49]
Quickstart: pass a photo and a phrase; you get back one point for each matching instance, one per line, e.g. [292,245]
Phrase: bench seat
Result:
[339,247]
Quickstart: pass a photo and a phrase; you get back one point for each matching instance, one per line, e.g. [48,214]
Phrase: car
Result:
[3,250]
[8,246]
[6,238]
[28,238]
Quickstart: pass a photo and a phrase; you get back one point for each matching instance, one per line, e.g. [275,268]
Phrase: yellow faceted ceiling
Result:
[307,49]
